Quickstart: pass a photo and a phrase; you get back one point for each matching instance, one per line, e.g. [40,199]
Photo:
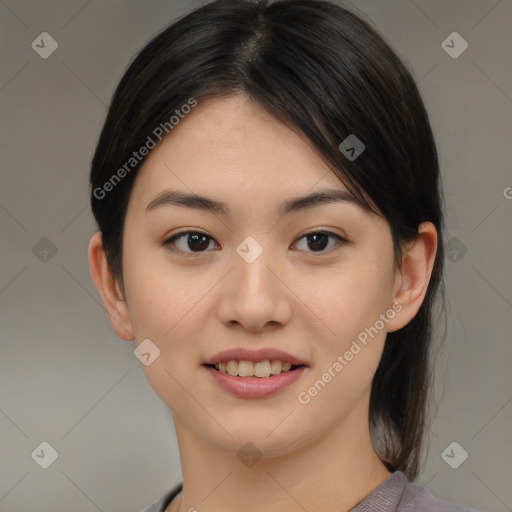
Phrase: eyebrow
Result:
[203,203]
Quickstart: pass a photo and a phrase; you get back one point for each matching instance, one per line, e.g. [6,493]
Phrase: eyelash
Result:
[169,242]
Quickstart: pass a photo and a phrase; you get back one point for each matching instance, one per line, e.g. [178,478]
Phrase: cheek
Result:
[165,304]
[348,353]
[349,302]
[349,298]
[162,296]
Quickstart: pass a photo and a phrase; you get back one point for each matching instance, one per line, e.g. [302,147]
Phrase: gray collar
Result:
[386,497]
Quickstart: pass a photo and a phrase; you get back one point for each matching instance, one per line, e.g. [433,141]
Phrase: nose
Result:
[254,295]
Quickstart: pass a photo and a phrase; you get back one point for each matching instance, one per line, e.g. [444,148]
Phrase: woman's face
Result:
[253,280]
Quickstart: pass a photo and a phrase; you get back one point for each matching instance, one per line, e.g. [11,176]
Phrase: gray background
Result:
[65,378]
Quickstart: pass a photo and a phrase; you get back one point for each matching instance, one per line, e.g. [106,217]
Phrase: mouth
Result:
[248,379]
[251,373]
[259,369]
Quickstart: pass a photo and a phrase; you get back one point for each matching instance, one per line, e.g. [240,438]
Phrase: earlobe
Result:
[413,277]
[108,287]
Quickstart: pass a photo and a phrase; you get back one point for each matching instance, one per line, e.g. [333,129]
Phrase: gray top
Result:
[395,494]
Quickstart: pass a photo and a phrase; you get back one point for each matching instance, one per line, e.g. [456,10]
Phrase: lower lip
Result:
[255,387]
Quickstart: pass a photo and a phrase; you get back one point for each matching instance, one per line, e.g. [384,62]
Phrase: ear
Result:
[107,285]
[413,276]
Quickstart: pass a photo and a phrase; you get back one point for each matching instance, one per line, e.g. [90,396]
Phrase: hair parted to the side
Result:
[326,74]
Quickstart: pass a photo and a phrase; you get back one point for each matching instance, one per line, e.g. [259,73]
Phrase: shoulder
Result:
[416,498]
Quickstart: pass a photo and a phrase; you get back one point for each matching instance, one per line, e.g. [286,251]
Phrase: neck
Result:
[334,472]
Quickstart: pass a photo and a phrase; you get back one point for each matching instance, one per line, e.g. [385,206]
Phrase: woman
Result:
[266,187]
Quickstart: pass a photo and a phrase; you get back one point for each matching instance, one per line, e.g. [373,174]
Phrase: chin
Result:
[269,437]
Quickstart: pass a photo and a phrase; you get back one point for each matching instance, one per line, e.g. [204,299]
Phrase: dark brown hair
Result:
[327,74]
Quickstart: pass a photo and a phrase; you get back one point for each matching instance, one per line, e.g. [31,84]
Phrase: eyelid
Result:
[324,230]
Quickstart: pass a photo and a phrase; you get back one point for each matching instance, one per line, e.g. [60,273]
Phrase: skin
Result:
[312,304]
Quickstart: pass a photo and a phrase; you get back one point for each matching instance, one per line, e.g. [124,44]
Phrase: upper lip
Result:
[262,354]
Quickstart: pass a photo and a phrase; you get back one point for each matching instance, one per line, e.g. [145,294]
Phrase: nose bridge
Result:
[254,296]
[252,261]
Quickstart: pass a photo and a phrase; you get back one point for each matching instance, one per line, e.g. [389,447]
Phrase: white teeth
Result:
[246,368]
[232,368]
[262,369]
[276,367]
[249,369]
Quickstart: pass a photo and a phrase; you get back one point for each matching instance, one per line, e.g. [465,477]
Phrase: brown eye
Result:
[317,241]
[190,242]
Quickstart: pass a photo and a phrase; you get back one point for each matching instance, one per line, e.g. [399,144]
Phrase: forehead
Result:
[231,148]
